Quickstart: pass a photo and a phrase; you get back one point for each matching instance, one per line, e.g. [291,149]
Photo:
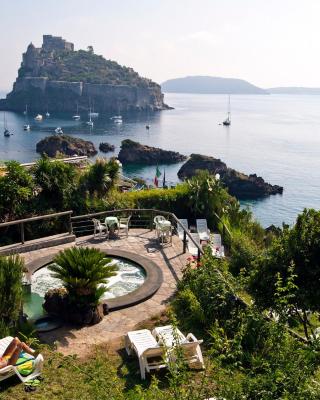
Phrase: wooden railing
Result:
[140,218]
[21,222]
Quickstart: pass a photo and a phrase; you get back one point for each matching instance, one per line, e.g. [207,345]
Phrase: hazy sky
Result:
[268,42]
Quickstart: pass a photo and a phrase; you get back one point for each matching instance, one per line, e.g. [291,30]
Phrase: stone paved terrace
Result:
[111,329]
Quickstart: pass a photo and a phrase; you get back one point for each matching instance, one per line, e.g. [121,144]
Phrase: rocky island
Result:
[134,152]
[67,145]
[239,185]
[57,78]
[105,147]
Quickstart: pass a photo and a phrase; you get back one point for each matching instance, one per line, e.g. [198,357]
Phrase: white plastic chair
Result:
[11,370]
[147,349]
[190,346]
[124,224]
[156,220]
[184,223]
[192,248]
[202,229]
[99,227]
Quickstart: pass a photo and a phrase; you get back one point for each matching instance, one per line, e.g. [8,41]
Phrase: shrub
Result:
[82,271]
[11,270]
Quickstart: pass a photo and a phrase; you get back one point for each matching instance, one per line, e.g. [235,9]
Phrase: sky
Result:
[267,42]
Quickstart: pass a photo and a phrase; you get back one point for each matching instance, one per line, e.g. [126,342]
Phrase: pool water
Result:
[128,278]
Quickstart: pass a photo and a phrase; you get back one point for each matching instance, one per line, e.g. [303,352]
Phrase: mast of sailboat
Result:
[229,112]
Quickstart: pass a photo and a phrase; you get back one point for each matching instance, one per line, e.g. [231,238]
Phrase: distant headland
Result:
[58,78]
[210,85]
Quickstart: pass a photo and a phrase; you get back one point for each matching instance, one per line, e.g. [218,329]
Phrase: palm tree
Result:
[101,176]
[82,271]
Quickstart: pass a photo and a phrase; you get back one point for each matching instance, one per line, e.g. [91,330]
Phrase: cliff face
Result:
[56,77]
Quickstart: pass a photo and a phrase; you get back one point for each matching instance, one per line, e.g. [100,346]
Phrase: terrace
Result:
[141,242]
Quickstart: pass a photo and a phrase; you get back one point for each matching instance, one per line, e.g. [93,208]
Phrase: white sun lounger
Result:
[185,224]
[216,245]
[149,352]
[192,248]
[202,229]
[171,337]
[11,370]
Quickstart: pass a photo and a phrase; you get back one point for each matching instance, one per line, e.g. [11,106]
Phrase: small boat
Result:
[227,121]
[116,117]
[25,112]
[47,114]
[117,121]
[6,131]
[58,130]
[147,127]
[26,127]
[39,117]
[76,117]
[90,122]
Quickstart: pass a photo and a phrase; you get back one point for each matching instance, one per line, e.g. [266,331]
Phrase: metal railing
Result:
[21,222]
[140,218]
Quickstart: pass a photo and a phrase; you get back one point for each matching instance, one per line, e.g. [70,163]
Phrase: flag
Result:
[164,178]
[156,180]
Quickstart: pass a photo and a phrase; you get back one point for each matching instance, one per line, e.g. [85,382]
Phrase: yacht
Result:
[227,121]
[39,117]
[76,117]
[58,130]
[6,131]
[90,122]
[117,121]
[26,127]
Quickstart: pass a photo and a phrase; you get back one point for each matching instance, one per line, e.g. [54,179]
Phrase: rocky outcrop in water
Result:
[134,152]
[64,144]
[106,147]
[239,185]
[54,77]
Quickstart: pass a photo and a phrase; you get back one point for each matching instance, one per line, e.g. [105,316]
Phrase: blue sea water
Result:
[274,136]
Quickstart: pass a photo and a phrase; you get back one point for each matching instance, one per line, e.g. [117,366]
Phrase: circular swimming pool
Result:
[129,277]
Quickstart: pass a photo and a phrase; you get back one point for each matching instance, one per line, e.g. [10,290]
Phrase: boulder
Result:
[106,147]
[238,184]
[63,144]
[134,152]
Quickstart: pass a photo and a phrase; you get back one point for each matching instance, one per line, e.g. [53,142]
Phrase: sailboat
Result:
[76,117]
[47,113]
[227,121]
[148,124]
[93,114]
[26,126]
[6,131]
[90,122]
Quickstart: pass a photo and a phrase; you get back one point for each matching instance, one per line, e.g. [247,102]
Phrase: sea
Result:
[275,136]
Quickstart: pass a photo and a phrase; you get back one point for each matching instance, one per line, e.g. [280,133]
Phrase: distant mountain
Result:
[293,90]
[210,85]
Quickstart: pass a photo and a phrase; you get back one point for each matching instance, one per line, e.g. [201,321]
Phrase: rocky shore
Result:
[238,184]
[64,144]
[106,147]
[134,152]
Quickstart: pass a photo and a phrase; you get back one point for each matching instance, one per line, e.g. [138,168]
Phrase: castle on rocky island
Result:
[56,77]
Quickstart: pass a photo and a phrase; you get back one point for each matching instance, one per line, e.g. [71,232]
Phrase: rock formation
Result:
[63,144]
[106,147]
[239,185]
[134,152]
[57,78]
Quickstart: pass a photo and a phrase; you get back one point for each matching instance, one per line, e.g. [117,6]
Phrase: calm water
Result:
[275,136]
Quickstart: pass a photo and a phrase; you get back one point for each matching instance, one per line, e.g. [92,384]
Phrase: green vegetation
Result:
[82,270]
[85,66]
[11,270]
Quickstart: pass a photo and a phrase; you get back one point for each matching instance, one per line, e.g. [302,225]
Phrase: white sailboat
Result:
[76,117]
[90,122]
[6,131]
[25,112]
[26,126]
[47,113]
[93,114]
[38,117]
[227,121]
